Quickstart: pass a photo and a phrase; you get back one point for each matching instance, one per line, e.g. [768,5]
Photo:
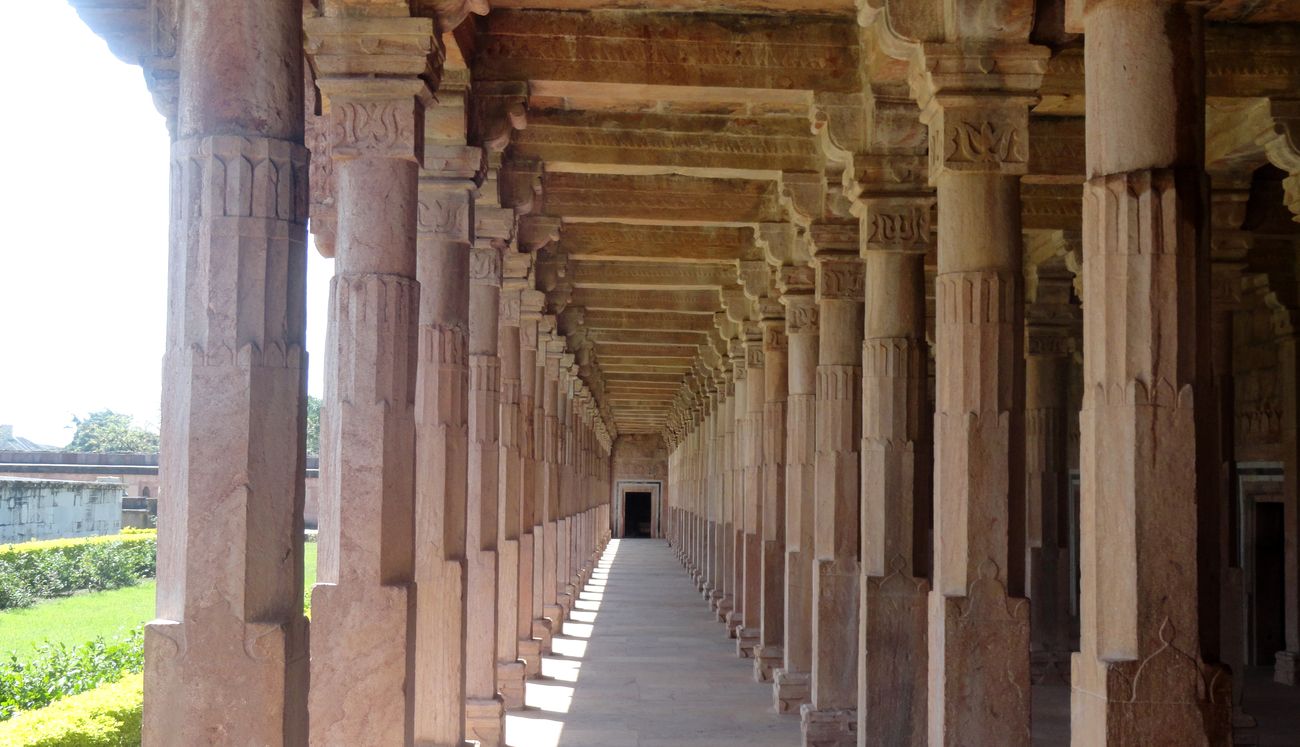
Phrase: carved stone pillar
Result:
[1050,321]
[750,634]
[552,615]
[230,634]
[510,670]
[791,683]
[896,471]
[484,712]
[770,652]
[1139,676]
[830,719]
[361,606]
[735,493]
[979,622]
[565,487]
[530,608]
[441,400]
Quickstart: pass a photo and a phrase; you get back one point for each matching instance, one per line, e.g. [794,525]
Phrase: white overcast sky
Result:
[83,231]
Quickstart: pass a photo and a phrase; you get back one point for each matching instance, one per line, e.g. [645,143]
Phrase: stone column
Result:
[529,643]
[1139,677]
[769,655]
[484,712]
[552,613]
[896,464]
[230,634]
[735,494]
[1049,322]
[750,634]
[565,487]
[979,622]
[361,606]
[719,483]
[510,670]
[791,683]
[830,718]
[441,400]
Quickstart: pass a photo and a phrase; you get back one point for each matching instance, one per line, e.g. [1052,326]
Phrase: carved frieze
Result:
[485,265]
[373,129]
[445,212]
[898,224]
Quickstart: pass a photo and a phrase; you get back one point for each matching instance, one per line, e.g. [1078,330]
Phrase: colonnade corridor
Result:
[642,663]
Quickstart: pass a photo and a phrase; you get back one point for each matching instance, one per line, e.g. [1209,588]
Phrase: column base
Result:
[723,609]
[735,621]
[543,631]
[485,721]
[832,728]
[510,683]
[1170,697]
[746,641]
[790,690]
[1049,667]
[1286,669]
[767,659]
[530,653]
[564,603]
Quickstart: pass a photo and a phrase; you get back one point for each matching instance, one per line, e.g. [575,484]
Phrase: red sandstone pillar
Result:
[361,607]
[751,442]
[829,719]
[510,670]
[791,683]
[769,655]
[484,714]
[979,621]
[896,464]
[1139,677]
[529,644]
[442,262]
[230,635]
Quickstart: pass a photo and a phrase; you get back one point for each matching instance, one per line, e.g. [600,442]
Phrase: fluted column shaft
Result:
[441,465]
[1139,676]
[791,683]
[361,607]
[230,634]
[895,474]
[510,670]
[769,655]
[830,716]
[484,712]
[751,442]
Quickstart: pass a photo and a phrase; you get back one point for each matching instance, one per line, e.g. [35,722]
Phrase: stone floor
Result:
[643,664]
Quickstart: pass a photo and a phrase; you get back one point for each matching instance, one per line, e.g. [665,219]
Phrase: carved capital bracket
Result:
[840,278]
[975,100]
[365,47]
[446,210]
[485,265]
[897,223]
[500,109]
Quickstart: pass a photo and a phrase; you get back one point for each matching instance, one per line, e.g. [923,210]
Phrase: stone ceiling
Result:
[671,156]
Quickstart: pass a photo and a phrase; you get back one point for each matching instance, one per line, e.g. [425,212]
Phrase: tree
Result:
[313,425]
[108,432]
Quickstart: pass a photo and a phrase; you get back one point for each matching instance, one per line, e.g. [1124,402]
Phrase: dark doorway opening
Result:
[1270,583]
[637,515]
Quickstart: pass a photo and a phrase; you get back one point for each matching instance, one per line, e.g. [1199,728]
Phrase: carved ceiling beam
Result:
[656,275]
[666,199]
[706,144]
[640,320]
[676,244]
[763,51]
[681,302]
[632,337]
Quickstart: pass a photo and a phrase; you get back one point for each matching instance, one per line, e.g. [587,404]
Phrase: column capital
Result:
[795,280]
[975,100]
[485,264]
[444,209]
[840,277]
[802,315]
[359,47]
[897,223]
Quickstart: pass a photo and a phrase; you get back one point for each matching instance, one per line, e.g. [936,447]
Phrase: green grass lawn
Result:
[77,619]
[80,618]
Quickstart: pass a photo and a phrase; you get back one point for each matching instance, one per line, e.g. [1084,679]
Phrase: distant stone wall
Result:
[137,472]
[51,509]
[640,457]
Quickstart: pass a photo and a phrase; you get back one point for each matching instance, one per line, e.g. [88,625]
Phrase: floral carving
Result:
[384,129]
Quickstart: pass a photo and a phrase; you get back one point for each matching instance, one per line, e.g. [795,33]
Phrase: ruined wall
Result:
[52,509]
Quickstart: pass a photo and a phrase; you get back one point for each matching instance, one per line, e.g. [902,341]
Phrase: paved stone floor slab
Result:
[643,664]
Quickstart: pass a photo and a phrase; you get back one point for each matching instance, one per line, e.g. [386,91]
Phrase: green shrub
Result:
[57,671]
[109,715]
[51,568]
